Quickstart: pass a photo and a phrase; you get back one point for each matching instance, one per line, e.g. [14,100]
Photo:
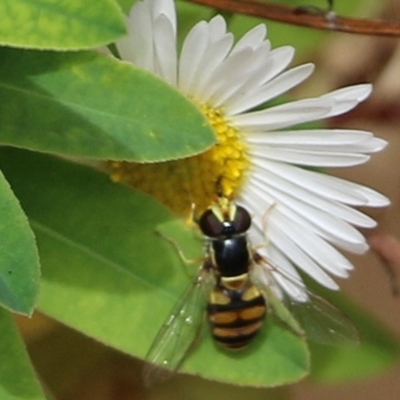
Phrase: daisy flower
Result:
[300,215]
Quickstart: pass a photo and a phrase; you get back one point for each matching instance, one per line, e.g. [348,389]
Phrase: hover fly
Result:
[231,291]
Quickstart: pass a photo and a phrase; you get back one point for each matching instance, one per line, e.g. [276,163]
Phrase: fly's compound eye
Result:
[241,221]
[214,226]
[210,225]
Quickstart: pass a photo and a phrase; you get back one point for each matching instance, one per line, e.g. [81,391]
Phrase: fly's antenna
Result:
[219,191]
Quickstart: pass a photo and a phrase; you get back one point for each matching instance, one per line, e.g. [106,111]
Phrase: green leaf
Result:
[108,274]
[91,105]
[17,377]
[19,261]
[60,24]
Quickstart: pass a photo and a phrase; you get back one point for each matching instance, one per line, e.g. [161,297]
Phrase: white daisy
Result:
[305,216]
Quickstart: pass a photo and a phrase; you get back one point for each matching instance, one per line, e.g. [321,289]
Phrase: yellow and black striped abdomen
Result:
[235,314]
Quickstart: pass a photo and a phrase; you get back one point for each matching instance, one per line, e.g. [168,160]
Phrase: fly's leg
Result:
[191,219]
[264,227]
[185,260]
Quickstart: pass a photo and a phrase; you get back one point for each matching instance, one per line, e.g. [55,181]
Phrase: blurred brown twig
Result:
[300,16]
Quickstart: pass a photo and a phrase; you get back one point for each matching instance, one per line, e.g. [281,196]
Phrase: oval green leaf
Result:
[91,105]
[108,274]
[19,260]
[17,377]
[60,24]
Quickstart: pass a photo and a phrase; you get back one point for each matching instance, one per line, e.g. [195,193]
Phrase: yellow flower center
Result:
[195,180]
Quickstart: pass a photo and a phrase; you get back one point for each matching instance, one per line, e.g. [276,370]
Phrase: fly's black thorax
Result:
[230,255]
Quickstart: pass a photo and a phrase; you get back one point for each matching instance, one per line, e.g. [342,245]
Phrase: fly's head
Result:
[224,219]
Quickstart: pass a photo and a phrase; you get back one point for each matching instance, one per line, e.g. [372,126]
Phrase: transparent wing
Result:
[314,317]
[179,332]
[264,281]
[323,323]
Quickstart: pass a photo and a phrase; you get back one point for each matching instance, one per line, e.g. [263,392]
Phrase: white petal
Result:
[250,80]
[322,140]
[327,186]
[374,199]
[252,38]
[233,75]
[283,116]
[204,49]
[166,8]
[298,257]
[165,50]
[150,43]
[193,49]
[275,63]
[284,236]
[137,47]
[320,251]
[214,54]
[308,158]
[226,76]
[347,98]
[278,60]
[293,194]
[311,219]
[355,92]
[279,85]
[217,28]
[284,275]
[300,111]
[368,197]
